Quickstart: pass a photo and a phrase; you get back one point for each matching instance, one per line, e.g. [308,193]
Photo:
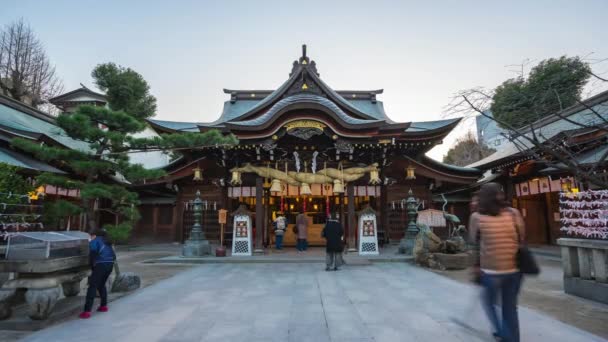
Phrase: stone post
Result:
[406,245]
[197,245]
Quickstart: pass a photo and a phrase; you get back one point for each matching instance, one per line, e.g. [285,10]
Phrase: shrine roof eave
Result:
[282,90]
[448,173]
[298,102]
[65,97]
[463,170]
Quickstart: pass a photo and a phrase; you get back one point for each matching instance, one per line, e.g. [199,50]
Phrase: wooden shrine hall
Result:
[303,148]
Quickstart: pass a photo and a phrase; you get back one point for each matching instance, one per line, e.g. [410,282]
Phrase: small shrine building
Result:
[303,148]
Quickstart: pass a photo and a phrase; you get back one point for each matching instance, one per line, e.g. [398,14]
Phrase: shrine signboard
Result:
[368,232]
[241,233]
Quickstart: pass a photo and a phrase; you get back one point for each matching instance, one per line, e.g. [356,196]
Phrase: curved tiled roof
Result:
[424,126]
[176,125]
[303,98]
[549,127]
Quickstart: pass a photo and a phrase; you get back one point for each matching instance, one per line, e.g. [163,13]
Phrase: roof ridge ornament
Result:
[304,59]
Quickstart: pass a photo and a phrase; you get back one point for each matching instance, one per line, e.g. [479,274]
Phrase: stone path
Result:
[301,302]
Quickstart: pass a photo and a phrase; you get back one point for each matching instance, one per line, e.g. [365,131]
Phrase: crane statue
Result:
[452,221]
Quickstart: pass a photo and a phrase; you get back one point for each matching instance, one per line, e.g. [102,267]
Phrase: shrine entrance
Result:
[316,208]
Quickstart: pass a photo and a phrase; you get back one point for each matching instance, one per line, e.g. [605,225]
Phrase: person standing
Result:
[280,225]
[499,231]
[101,259]
[333,232]
[302,232]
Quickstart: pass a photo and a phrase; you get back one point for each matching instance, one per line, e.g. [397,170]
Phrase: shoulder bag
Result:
[525,259]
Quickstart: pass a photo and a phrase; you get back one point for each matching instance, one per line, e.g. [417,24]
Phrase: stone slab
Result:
[302,302]
[583,243]
[43,266]
[589,289]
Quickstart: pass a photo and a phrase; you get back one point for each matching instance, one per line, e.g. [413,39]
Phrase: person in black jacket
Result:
[333,232]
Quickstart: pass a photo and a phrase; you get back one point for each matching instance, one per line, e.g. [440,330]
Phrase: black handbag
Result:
[525,259]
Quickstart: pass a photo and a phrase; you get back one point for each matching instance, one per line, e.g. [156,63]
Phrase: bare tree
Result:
[561,151]
[25,71]
[467,150]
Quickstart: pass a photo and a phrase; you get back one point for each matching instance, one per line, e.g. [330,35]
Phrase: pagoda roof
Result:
[305,92]
[309,100]
[77,95]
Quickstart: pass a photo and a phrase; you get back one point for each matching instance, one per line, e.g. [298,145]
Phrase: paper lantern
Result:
[198,174]
[409,173]
[338,186]
[236,178]
[305,189]
[276,186]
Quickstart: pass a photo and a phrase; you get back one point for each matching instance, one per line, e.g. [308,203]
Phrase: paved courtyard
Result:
[301,302]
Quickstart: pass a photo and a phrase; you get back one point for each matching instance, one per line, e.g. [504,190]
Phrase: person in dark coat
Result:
[333,232]
[101,258]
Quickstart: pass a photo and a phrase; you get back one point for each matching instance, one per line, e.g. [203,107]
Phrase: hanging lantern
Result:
[338,186]
[566,185]
[266,184]
[409,173]
[276,186]
[198,174]
[236,178]
[374,177]
[305,189]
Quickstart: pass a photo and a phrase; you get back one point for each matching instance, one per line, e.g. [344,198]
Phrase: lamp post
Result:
[196,245]
[406,245]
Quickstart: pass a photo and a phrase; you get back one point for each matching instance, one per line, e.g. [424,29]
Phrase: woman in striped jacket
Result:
[498,229]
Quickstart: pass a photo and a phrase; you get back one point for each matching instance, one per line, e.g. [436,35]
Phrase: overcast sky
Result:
[420,53]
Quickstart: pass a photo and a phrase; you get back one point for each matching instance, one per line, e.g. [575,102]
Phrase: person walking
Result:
[333,232]
[302,232]
[101,259]
[280,226]
[498,231]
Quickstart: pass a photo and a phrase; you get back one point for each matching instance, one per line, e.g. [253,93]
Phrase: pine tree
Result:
[97,170]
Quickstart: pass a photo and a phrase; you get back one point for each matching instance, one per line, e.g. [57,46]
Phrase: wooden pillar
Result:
[351,217]
[259,216]
[154,220]
[341,201]
[383,211]
[267,217]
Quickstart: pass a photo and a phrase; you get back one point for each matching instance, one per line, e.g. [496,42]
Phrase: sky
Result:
[419,52]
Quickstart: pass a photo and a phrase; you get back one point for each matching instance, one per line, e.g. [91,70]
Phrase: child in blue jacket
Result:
[101,258]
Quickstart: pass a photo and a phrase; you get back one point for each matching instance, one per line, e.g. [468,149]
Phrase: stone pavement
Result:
[302,302]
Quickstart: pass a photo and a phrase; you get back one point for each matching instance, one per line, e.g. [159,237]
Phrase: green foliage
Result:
[119,233]
[184,140]
[552,85]
[467,151]
[126,90]
[12,182]
[109,133]
[55,211]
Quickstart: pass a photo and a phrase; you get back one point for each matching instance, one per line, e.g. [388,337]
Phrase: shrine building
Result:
[303,148]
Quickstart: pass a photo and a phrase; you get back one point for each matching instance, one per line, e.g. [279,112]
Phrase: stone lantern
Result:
[406,245]
[196,245]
